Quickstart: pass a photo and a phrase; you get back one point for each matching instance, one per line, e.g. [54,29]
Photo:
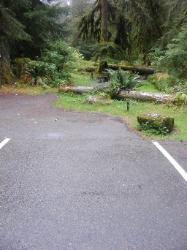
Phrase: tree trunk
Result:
[104,21]
[6,75]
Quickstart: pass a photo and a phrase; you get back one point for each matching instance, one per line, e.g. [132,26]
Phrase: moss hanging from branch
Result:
[96,23]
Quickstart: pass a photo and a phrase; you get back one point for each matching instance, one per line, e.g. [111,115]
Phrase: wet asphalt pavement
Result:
[82,181]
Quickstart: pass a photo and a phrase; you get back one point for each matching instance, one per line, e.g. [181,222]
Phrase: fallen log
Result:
[146,97]
[137,70]
[83,89]
[75,89]
[132,95]
[134,69]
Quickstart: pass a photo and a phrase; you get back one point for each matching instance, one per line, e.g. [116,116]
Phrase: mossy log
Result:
[90,69]
[137,70]
[140,70]
[6,74]
[156,121]
[144,96]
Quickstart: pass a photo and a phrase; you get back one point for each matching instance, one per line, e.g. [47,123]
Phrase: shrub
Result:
[41,68]
[87,49]
[174,59]
[180,99]
[181,87]
[121,80]
[156,123]
[163,82]
[21,66]
[56,63]
[62,55]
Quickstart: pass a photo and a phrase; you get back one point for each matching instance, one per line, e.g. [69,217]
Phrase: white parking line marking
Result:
[171,160]
[4,142]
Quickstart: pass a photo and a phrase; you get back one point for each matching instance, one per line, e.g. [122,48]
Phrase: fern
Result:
[121,80]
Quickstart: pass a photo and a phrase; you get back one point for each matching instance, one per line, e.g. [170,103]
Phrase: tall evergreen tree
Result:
[11,30]
[146,18]
[95,24]
[176,18]
[26,26]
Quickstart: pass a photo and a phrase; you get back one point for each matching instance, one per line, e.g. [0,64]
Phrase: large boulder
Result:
[162,124]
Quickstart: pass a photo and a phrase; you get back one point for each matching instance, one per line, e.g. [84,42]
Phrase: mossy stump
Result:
[103,65]
[6,75]
[156,121]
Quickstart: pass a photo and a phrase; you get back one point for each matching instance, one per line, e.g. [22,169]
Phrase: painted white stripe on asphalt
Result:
[4,142]
[171,160]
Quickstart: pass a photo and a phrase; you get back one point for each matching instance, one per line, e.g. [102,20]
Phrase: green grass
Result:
[81,79]
[147,87]
[118,108]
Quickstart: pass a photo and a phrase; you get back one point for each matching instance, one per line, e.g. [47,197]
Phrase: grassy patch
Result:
[81,79]
[26,90]
[118,108]
[147,87]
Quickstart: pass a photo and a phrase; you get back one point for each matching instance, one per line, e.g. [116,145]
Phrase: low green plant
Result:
[20,65]
[174,58]
[87,49]
[62,55]
[155,123]
[152,131]
[180,99]
[164,84]
[121,80]
[56,64]
[81,78]
[146,86]
[181,87]
[42,69]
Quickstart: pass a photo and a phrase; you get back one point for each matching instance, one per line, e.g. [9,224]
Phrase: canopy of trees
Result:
[135,25]
[146,30]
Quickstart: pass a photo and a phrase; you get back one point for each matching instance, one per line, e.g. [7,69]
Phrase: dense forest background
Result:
[48,38]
